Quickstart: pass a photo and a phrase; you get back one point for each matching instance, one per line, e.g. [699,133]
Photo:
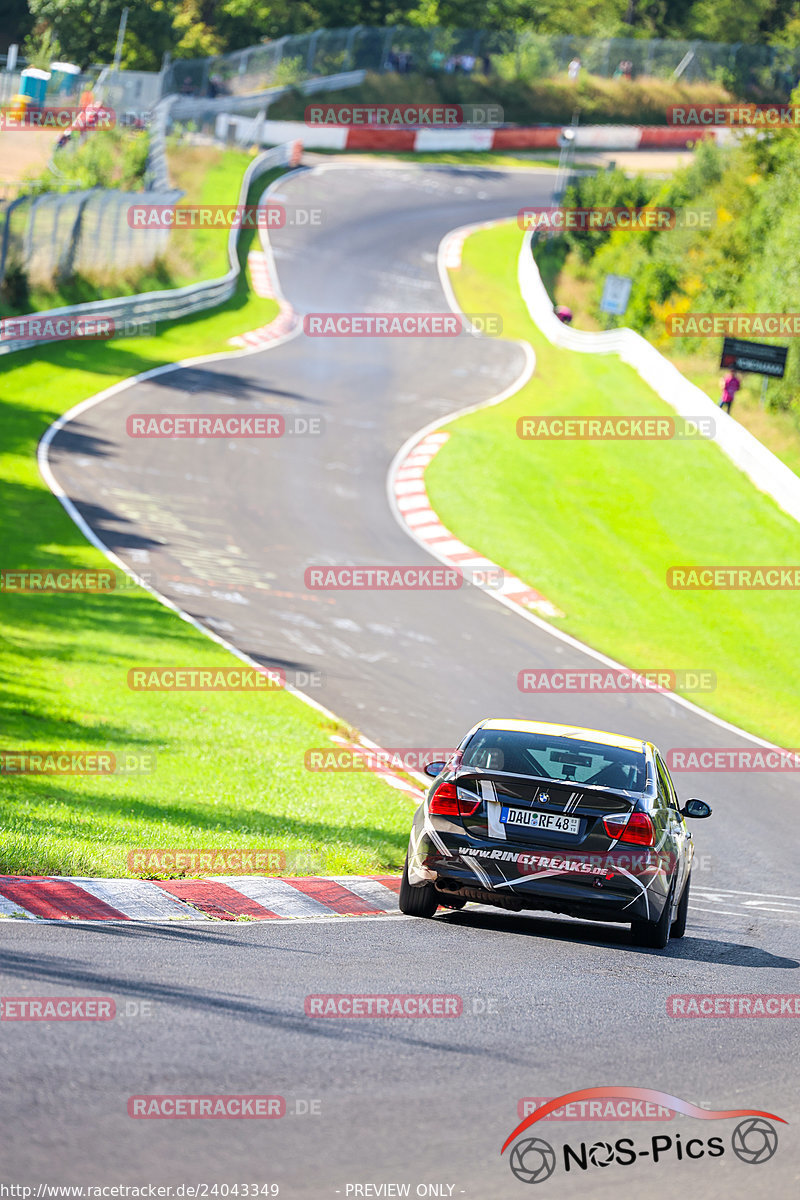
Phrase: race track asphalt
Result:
[572,1005]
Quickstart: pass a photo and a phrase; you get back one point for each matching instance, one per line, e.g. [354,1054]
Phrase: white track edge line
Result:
[84,406]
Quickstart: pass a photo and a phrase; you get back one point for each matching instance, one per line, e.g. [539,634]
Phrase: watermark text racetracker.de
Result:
[71,1008]
[399,1005]
[52,580]
[604,218]
[57,118]
[398,324]
[87,327]
[596,1110]
[222,425]
[77,762]
[229,679]
[207,1107]
[613,428]
[218,1107]
[734,116]
[220,216]
[740,577]
[581,679]
[155,861]
[730,324]
[400,578]
[378,758]
[197,679]
[404,116]
[697,1005]
[732,758]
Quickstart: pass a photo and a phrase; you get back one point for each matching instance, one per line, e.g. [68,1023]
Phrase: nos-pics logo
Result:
[533,1160]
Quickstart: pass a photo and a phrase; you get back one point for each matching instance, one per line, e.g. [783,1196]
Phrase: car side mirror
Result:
[696,808]
[435,768]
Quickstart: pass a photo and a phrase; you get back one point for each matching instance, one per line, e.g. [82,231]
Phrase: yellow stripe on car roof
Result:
[567,731]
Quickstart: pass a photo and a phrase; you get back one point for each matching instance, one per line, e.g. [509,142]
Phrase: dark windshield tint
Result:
[557,758]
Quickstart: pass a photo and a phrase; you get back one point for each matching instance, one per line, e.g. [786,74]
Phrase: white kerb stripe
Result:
[422,518]
[407,503]
[10,908]
[384,899]
[279,897]
[138,899]
[407,487]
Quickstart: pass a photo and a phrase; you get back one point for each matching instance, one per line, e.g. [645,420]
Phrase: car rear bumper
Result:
[612,886]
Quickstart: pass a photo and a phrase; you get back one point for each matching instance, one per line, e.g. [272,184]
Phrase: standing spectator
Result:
[467,63]
[436,60]
[486,63]
[730,386]
[450,65]
[574,69]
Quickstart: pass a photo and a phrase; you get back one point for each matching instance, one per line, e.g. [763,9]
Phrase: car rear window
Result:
[565,759]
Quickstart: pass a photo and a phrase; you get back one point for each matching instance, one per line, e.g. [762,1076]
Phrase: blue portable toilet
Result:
[33,84]
[64,77]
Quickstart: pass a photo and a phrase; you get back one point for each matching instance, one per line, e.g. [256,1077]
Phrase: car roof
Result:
[598,736]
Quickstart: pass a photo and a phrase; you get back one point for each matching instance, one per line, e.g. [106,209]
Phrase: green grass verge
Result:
[229,766]
[452,158]
[595,525]
[537,100]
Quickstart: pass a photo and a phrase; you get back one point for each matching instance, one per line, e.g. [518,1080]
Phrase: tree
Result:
[87,29]
[41,49]
[729,20]
[17,22]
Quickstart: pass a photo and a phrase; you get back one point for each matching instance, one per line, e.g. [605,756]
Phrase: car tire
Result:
[654,934]
[419,901]
[679,924]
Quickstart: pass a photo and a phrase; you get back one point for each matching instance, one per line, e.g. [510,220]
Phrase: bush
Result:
[115,158]
[748,260]
[15,289]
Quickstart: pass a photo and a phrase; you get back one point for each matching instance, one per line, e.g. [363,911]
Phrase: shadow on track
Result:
[691,949]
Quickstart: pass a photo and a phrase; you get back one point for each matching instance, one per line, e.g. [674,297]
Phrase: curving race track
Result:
[226,530]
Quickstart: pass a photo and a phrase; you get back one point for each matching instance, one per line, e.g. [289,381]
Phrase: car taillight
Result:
[446,802]
[636,829]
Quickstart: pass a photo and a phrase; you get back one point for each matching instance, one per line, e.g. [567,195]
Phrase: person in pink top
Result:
[730,386]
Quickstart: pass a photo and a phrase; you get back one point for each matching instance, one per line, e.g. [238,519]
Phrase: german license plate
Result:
[539,820]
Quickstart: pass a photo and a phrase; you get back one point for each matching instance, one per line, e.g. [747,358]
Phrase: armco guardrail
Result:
[86,230]
[176,302]
[206,108]
[760,465]
[79,232]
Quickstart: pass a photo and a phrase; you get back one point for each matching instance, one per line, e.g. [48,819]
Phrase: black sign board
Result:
[756,357]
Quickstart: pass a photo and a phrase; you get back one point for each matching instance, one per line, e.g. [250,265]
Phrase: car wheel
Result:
[654,934]
[679,924]
[419,901]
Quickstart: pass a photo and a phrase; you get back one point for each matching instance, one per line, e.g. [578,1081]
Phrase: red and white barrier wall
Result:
[537,137]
